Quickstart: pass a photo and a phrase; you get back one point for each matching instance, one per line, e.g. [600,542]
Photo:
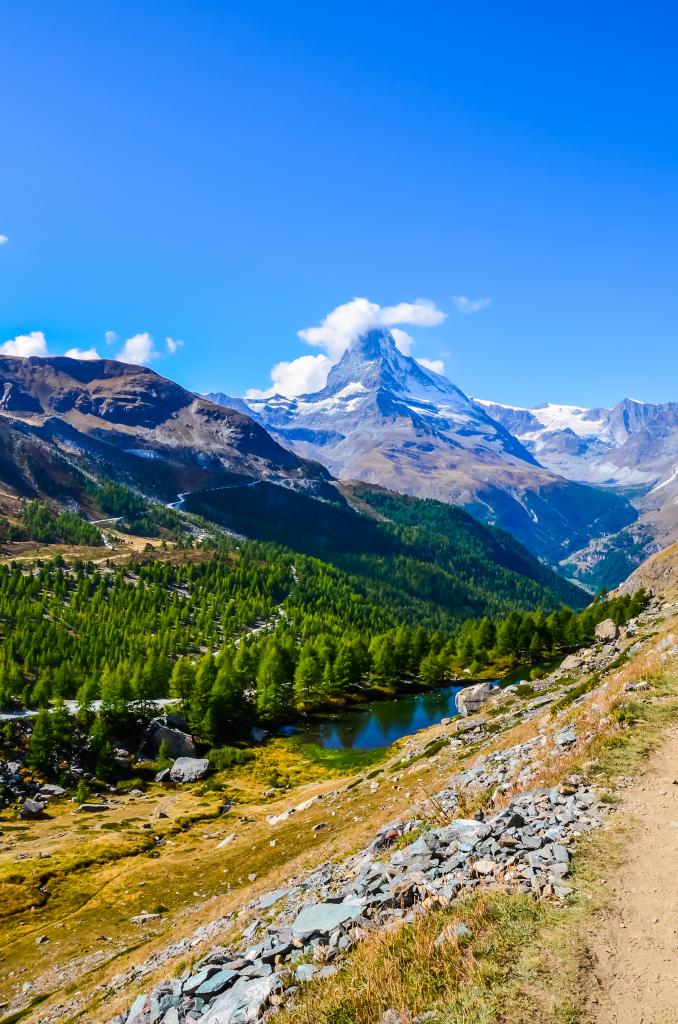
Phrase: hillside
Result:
[658,574]
[63,421]
[419,550]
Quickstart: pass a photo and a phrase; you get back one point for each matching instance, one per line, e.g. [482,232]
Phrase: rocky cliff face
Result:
[61,418]
[383,418]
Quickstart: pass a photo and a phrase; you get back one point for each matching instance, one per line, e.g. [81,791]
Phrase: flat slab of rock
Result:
[471,698]
[323,918]
[189,769]
[244,1002]
[51,789]
[93,808]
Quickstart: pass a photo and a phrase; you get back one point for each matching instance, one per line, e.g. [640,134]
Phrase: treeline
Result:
[68,627]
[522,638]
[39,523]
[234,641]
[422,557]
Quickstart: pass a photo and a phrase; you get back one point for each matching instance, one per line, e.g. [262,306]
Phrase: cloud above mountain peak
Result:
[337,331]
[347,322]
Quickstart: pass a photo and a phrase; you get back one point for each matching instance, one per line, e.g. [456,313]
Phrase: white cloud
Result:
[437,365]
[348,321]
[82,353]
[403,340]
[111,337]
[468,306]
[4,239]
[33,344]
[298,377]
[138,349]
[173,345]
[336,332]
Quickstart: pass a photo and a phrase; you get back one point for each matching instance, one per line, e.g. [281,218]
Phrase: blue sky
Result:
[226,174]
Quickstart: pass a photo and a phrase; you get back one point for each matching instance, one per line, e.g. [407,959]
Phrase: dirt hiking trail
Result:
[633,950]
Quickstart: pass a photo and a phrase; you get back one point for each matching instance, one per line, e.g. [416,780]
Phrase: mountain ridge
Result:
[146,429]
[385,419]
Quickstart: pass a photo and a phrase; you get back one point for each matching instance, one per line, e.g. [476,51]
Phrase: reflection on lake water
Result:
[383,721]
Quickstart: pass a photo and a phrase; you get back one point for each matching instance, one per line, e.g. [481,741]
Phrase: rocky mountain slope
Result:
[383,418]
[633,445]
[631,448]
[63,419]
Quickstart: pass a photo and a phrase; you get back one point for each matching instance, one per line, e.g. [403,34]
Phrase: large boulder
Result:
[571,662]
[50,789]
[471,698]
[167,729]
[189,769]
[607,631]
[31,809]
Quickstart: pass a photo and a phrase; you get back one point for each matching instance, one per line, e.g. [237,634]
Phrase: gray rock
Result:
[138,1011]
[216,984]
[606,631]
[566,738]
[272,897]
[305,972]
[51,789]
[323,918]
[93,808]
[178,741]
[244,1002]
[196,980]
[31,809]
[189,769]
[471,698]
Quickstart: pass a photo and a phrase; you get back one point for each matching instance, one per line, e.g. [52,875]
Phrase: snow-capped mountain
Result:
[375,383]
[383,418]
[632,448]
[635,444]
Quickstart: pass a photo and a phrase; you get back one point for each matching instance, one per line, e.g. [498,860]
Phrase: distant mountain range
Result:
[383,418]
[69,425]
[590,491]
[631,449]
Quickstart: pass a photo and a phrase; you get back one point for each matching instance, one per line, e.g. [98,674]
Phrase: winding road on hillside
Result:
[633,952]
